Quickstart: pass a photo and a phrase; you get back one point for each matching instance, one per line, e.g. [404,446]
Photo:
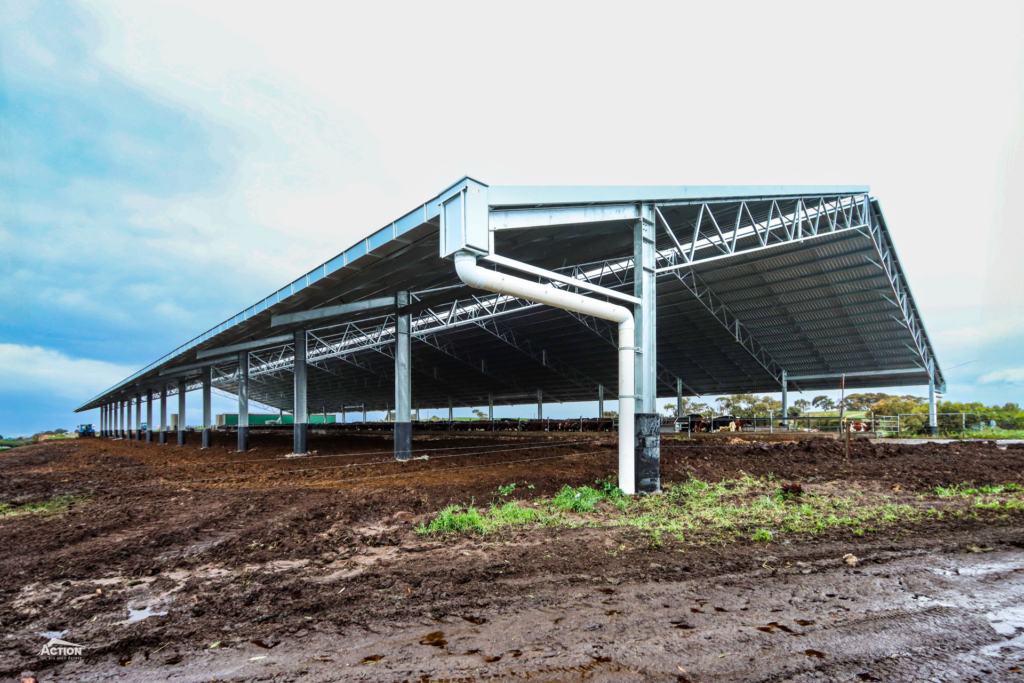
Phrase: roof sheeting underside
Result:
[819,307]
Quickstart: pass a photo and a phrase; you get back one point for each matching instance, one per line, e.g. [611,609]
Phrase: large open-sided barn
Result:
[509,295]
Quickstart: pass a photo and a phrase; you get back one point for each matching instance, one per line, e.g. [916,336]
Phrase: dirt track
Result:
[319,555]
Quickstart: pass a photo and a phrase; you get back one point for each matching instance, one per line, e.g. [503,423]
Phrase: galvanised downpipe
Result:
[499,283]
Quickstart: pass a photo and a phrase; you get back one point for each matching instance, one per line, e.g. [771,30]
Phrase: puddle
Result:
[265,645]
[372,659]
[435,639]
[804,622]
[475,620]
[515,653]
[815,654]
[53,634]
[681,624]
[606,591]
[721,609]
[135,615]
[696,611]
[495,658]
[866,676]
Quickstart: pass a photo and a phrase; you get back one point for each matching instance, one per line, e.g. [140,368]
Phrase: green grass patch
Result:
[698,512]
[48,506]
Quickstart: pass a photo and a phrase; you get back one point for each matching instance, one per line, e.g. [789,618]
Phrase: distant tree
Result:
[610,413]
[748,405]
[480,414]
[60,431]
[823,402]
[800,406]
[793,412]
[689,408]
[862,401]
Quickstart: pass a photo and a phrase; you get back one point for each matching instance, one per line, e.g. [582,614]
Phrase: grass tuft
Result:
[52,505]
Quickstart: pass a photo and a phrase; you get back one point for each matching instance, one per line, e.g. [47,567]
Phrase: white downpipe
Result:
[481,278]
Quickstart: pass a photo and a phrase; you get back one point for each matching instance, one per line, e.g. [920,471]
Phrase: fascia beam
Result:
[246,346]
[331,311]
[511,219]
[869,373]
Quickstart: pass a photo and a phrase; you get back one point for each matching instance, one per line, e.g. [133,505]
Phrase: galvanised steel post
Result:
[403,378]
[128,419]
[103,417]
[300,429]
[490,407]
[243,400]
[138,417]
[785,400]
[600,400]
[540,404]
[149,416]
[645,313]
[207,407]
[450,411]
[182,389]
[933,418]
[679,398]
[647,447]
[163,415]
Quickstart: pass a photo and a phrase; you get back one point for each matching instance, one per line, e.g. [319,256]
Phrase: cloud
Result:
[1009,376]
[38,370]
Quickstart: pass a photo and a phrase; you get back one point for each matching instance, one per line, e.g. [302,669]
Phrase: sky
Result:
[165,165]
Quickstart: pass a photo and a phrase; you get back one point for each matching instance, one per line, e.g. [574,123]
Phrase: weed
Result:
[762,536]
[506,490]
[52,505]
[582,499]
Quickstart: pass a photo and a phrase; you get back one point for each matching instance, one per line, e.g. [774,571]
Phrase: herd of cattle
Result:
[688,423]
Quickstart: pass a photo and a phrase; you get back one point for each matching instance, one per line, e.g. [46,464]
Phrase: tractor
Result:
[85,431]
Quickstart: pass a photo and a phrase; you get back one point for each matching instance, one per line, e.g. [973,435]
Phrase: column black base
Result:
[138,435]
[149,436]
[300,433]
[243,438]
[162,437]
[647,459]
[933,431]
[182,438]
[403,440]
[207,437]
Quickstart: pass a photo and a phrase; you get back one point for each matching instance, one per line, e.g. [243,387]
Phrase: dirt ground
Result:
[190,565]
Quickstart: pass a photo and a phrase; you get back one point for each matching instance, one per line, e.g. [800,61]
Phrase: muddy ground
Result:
[310,568]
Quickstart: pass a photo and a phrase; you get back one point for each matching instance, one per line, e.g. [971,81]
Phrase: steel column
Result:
[679,398]
[933,418]
[403,378]
[450,411]
[120,410]
[243,400]
[785,400]
[182,389]
[645,313]
[128,420]
[149,416]
[490,407]
[647,420]
[138,417]
[540,404]
[207,406]
[300,428]
[600,400]
[163,415]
